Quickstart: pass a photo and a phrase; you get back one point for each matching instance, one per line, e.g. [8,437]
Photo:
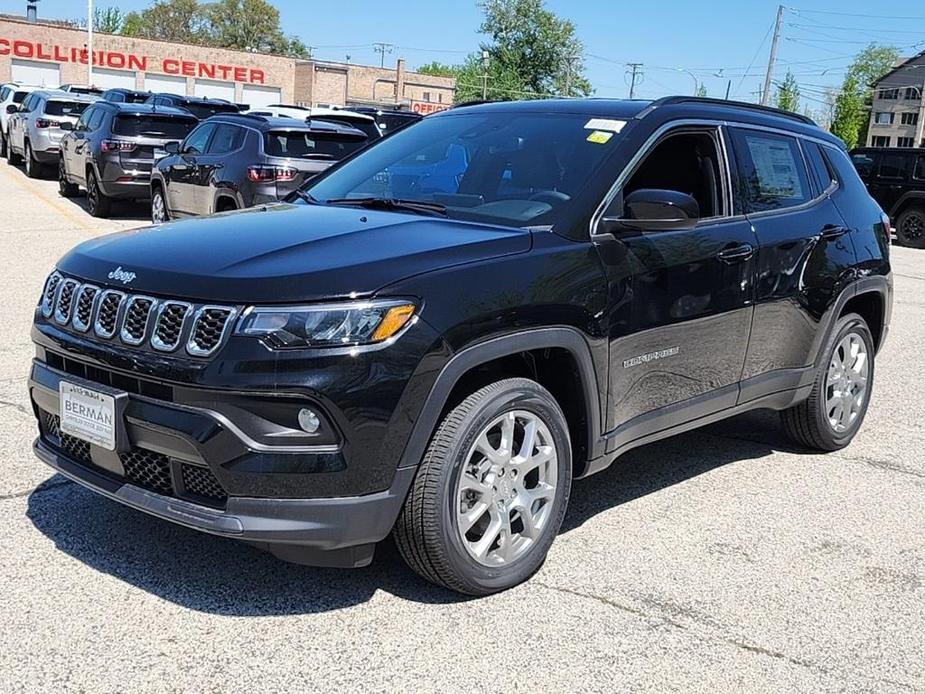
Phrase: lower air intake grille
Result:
[199,481]
[148,469]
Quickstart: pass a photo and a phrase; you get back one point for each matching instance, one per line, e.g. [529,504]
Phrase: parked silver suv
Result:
[35,127]
[11,94]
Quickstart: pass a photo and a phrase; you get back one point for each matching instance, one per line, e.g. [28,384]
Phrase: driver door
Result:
[681,300]
[180,171]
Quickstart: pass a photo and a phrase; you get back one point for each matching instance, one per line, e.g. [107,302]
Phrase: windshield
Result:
[167,127]
[65,108]
[203,111]
[303,145]
[518,169]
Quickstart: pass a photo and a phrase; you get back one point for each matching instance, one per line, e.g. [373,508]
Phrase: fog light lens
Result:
[309,421]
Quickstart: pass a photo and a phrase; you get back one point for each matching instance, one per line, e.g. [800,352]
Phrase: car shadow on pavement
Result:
[130,210]
[222,576]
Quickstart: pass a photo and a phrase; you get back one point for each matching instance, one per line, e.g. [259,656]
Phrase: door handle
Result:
[831,231]
[736,254]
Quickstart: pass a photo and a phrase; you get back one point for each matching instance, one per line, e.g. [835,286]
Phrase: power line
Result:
[635,71]
[797,10]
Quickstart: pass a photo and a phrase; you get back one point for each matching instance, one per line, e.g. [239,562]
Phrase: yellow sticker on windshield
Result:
[599,137]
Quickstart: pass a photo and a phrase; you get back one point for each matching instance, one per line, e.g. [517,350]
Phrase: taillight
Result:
[269,174]
[117,146]
[45,123]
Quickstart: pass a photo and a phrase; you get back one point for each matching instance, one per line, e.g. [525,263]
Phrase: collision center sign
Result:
[31,50]
[426,107]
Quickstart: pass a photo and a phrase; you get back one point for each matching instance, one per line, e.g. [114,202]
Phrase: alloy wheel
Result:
[158,209]
[913,227]
[846,382]
[93,193]
[506,488]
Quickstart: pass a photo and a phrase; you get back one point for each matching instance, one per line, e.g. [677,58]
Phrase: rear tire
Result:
[33,168]
[4,148]
[470,476]
[65,188]
[12,158]
[98,204]
[910,228]
[833,413]
[159,212]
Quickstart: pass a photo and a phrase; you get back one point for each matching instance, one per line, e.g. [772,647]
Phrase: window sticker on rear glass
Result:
[775,168]
[608,124]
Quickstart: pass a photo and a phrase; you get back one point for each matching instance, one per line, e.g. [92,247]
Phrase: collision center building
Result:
[50,54]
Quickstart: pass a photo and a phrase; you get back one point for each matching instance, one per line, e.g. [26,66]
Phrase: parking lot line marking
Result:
[55,204]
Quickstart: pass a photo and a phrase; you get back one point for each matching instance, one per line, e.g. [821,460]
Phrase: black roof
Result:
[190,99]
[123,107]
[268,123]
[680,106]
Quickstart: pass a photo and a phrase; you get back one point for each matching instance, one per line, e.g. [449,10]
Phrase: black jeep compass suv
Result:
[434,337]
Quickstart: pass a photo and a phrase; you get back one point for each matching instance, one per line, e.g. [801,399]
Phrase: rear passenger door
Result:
[805,255]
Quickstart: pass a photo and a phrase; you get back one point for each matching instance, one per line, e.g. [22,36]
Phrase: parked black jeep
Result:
[895,178]
[439,356]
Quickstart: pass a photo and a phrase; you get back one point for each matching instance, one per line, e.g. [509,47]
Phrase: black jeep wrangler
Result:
[895,178]
[436,336]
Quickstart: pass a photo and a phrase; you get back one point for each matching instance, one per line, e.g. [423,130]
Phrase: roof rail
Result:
[769,110]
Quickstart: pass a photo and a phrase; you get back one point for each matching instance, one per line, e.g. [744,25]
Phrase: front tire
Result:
[491,491]
[65,188]
[829,419]
[4,147]
[12,158]
[98,204]
[33,167]
[159,213]
[910,228]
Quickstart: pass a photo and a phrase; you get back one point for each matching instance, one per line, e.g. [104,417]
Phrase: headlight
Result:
[326,325]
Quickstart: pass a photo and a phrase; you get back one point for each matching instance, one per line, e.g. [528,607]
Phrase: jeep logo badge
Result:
[120,275]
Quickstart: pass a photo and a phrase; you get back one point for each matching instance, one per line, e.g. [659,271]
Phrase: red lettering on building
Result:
[257,76]
[23,49]
[240,74]
[171,66]
[4,47]
[206,70]
[426,107]
[136,62]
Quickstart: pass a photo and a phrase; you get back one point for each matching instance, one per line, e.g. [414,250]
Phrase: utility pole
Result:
[569,61]
[728,87]
[766,92]
[382,49]
[485,62]
[634,75]
[89,43]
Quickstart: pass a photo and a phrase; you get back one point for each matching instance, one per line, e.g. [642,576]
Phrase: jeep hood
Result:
[285,253]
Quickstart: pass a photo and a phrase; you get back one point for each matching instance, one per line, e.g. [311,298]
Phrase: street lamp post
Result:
[89,43]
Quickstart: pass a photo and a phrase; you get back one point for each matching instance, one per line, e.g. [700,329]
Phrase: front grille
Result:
[148,469]
[84,311]
[137,321]
[209,330]
[143,468]
[169,326]
[199,481]
[65,301]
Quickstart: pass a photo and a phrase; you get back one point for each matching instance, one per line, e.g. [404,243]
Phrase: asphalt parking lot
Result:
[722,560]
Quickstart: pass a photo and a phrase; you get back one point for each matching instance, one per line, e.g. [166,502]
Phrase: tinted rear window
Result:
[302,145]
[19,96]
[367,127]
[168,127]
[203,111]
[65,108]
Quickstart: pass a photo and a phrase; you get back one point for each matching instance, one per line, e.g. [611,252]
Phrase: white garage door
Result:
[113,79]
[165,84]
[215,90]
[260,96]
[34,72]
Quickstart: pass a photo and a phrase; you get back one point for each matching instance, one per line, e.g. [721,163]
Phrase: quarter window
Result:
[820,166]
[96,119]
[772,175]
[919,172]
[227,138]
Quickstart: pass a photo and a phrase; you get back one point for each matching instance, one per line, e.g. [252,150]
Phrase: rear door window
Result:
[307,145]
[227,138]
[772,174]
[893,166]
[919,171]
[864,163]
[165,127]
[96,119]
[65,108]
[196,142]
[825,176]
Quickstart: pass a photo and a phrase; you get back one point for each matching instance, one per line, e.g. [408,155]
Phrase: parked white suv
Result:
[11,93]
[360,121]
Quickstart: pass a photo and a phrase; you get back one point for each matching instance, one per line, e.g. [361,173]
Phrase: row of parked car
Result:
[188,155]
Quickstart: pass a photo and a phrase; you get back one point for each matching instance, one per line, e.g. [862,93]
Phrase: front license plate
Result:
[88,415]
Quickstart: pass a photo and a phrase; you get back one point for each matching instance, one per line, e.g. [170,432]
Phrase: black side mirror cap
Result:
[172,147]
[654,209]
[66,126]
[12,108]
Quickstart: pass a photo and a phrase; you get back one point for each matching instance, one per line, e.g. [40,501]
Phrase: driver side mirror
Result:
[12,108]
[66,126]
[653,209]
[172,147]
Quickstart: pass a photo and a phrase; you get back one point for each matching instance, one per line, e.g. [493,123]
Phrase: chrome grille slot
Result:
[65,301]
[135,323]
[168,328]
[48,296]
[83,312]
[209,329]
[107,313]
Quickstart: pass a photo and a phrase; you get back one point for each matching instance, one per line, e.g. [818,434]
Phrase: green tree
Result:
[788,94]
[244,24]
[170,20]
[438,69]
[867,67]
[533,46]
[849,114]
[108,20]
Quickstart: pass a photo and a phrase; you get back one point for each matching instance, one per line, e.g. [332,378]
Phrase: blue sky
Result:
[704,37]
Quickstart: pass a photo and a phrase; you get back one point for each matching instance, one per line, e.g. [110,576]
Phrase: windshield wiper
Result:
[392,204]
[301,194]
